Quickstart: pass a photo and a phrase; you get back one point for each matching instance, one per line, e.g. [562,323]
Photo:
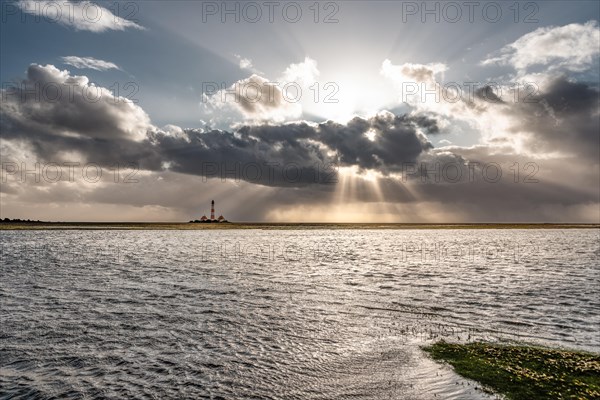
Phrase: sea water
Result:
[281,314]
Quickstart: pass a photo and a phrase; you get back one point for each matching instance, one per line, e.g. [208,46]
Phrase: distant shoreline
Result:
[275,226]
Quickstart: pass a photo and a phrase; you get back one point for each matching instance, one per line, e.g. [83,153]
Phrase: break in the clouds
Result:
[89,62]
[79,15]
[574,46]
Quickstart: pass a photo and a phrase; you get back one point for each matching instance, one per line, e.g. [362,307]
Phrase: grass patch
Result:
[524,372]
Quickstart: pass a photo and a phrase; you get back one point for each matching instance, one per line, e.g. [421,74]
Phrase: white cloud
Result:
[175,131]
[89,62]
[80,15]
[304,73]
[245,63]
[573,46]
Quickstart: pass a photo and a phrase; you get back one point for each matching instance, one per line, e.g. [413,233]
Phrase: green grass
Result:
[524,372]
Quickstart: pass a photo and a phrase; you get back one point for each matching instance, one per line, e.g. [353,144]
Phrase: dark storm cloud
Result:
[395,141]
[564,117]
[297,153]
[287,160]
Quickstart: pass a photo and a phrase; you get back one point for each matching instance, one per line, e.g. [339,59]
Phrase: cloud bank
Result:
[543,149]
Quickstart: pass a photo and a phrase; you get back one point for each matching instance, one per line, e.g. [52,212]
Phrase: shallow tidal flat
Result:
[282,313]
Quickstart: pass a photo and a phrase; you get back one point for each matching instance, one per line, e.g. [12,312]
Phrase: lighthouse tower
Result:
[212,215]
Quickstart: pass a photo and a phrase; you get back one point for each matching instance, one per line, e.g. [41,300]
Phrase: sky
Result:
[333,111]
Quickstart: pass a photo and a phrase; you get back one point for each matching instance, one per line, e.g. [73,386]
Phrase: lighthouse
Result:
[212,215]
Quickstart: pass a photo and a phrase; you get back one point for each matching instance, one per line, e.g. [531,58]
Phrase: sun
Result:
[342,96]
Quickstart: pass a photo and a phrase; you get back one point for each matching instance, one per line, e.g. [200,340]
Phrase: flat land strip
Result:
[271,226]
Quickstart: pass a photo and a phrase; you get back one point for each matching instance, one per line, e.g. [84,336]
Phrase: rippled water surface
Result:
[286,314]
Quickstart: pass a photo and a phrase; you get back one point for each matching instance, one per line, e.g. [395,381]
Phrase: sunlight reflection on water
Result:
[281,314]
